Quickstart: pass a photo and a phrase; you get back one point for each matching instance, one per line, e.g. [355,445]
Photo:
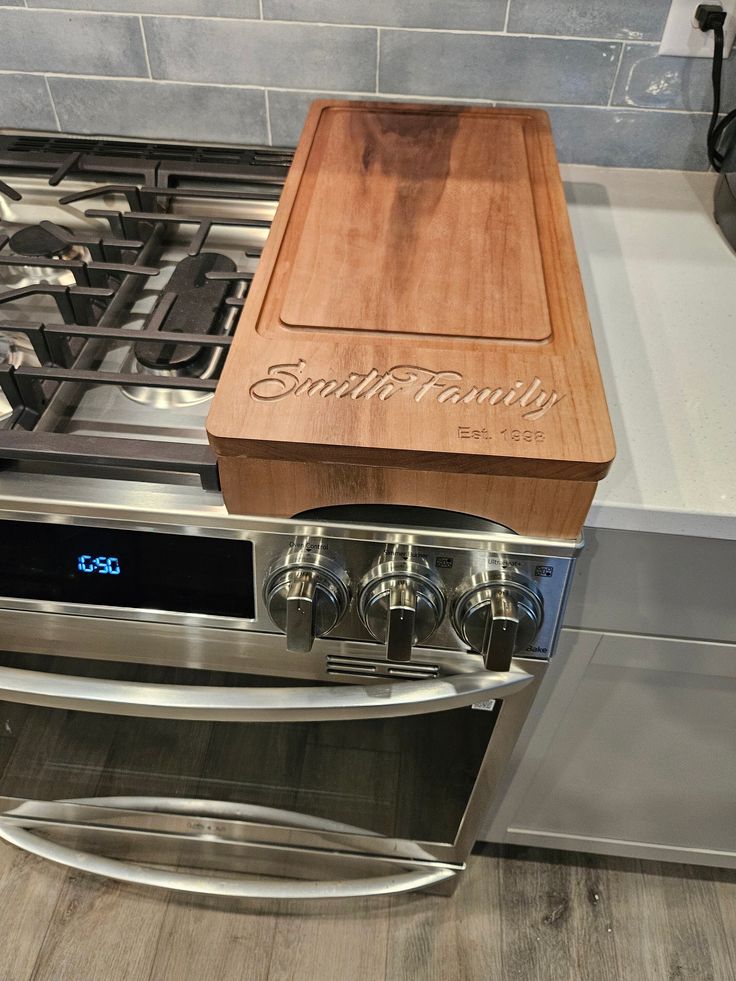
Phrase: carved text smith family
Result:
[412,381]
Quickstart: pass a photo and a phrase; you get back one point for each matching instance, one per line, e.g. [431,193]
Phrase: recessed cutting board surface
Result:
[417,223]
[418,304]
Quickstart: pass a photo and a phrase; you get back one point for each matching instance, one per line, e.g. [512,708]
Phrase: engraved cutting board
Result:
[398,234]
[418,304]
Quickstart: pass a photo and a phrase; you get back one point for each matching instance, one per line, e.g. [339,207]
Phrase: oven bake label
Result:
[407,381]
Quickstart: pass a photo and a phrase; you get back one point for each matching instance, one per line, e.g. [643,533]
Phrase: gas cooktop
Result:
[123,268]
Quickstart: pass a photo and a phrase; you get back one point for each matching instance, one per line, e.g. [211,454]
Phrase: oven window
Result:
[407,777]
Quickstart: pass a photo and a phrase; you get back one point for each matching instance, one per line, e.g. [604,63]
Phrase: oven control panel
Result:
[401,597]
[494,601]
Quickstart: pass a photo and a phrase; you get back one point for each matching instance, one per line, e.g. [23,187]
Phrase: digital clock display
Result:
[104,565]
[133,569]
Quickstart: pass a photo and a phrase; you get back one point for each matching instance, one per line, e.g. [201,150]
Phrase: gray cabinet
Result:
[631,750]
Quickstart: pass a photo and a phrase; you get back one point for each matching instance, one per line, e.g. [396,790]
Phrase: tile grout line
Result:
[506,18]
[53,104]
[268,118]
[145,46]
[615,76]
[378,59]
[358,93]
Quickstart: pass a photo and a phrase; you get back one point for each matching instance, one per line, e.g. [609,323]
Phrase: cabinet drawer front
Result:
[664,585]
[642,749]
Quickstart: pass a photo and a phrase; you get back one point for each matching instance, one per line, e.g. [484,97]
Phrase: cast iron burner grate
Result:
[106,272]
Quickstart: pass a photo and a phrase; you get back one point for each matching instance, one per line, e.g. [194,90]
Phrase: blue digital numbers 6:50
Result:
[105,565]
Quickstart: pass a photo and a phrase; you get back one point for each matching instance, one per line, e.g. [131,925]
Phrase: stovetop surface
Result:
[136,240]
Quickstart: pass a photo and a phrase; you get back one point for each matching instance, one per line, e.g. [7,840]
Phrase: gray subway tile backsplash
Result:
[640,20]
[256,53]
[75,43]
[469,15]
[472,66]
[25,103]
[201,8]
[165,110]
[648,81]
[287,111]
[245,70]
[627,138]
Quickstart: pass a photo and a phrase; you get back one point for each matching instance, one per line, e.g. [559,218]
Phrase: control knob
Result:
[497,615]
[401,604]
[306,595]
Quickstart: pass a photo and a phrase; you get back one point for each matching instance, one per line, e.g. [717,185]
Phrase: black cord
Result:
[710,17]
[716,158]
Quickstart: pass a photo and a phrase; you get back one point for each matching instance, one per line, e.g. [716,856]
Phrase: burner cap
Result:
[39,240]
[196,310]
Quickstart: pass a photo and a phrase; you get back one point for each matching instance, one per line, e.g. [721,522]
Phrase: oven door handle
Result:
[241,887]
[303,704]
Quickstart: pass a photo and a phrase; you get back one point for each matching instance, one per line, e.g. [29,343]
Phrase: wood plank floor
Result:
[518,914]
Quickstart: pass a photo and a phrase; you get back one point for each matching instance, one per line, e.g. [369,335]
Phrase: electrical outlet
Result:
[682,36]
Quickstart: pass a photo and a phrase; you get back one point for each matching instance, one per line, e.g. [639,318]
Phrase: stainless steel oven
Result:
[319,706]
[250,707]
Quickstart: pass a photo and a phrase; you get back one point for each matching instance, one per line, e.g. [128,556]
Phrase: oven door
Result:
[146,773]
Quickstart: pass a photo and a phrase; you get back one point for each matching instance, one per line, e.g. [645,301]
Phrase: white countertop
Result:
[661,286]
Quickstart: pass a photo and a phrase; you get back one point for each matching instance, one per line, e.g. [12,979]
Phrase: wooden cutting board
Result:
[398,234]
[418,306]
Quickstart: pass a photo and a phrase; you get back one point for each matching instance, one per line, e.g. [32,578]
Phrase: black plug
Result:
[709,16]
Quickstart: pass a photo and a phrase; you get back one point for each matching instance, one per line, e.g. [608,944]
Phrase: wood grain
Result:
[688,936]
[725,890]
[380,260]
[325,942]
[101,929]
[418,306]
[529,506]
[554,918]
[431,942]
[202,939]
[29,892]
[518,913]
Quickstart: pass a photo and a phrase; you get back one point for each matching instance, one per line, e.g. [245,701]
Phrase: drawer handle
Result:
[211,885]
[303,704]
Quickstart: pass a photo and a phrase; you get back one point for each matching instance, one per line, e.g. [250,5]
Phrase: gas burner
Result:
[193,302]
[43,241]
[127,284]
[167,398]
[16,351]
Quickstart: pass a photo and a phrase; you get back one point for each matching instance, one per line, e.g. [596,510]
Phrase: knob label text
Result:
[412,381]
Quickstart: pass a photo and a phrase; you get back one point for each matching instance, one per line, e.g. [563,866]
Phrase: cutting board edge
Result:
[529,506]
[437,462]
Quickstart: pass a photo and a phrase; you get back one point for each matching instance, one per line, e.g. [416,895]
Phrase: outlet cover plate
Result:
[682,38]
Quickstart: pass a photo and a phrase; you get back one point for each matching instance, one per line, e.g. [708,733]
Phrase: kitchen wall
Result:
[245,70]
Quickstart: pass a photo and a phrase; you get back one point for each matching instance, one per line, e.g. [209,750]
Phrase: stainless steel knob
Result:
[306,595]
[498,615]
[401,603]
